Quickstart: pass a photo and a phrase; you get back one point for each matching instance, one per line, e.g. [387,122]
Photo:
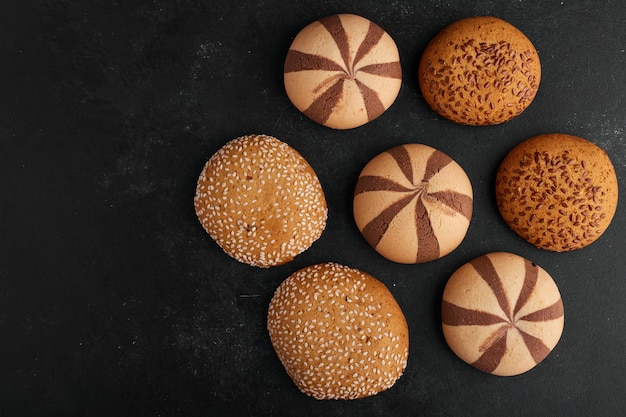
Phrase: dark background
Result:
[115,302]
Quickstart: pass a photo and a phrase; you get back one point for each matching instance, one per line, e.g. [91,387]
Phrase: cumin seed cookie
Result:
[342,71]
[479,71]
[260,200]
[338,331]
[557,191]
[413,203]
[502,314]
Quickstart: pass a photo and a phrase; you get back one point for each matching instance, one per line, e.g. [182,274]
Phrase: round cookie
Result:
[502,314]
[413,203]
[342,71]
[338,331]
[557,191]
[260,200]
[479,71]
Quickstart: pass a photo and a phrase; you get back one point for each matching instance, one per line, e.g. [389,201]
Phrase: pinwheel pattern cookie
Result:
[413,203]
[502,314]
[342,71]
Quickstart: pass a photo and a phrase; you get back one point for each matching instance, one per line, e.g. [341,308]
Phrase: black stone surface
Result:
[115,302]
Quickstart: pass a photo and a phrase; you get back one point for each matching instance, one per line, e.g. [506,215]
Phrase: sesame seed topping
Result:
[356,359]
[260,201]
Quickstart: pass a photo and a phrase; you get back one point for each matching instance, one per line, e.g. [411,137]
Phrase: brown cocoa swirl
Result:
[322,107]
[373,106]
[375,229]
[428,244]
[372,183]
[388,69]
[494,348]
[403,159]
[300,61]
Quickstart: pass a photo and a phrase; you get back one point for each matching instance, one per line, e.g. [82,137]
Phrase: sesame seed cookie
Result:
[502,314]
[479,71]
[338,331]
[342,71]
[261,201]
[557,191]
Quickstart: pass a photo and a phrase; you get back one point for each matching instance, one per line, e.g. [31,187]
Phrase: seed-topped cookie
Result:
[260,200]
[338,331]
[557,191]
[342,71]
[479,71]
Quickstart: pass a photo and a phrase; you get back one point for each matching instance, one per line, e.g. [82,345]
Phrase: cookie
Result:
[260,201]
[413,203]
[479,71]
[502,314]
[338,331]
[557,191]
[342,71]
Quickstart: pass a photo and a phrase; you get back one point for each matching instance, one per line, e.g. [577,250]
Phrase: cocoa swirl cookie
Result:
[557,191]
[502,314]
[413,203]
[338,331]
[260,200]
[342,71]
[479,71]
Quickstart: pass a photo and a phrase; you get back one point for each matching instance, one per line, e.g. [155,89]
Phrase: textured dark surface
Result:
[114,301]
